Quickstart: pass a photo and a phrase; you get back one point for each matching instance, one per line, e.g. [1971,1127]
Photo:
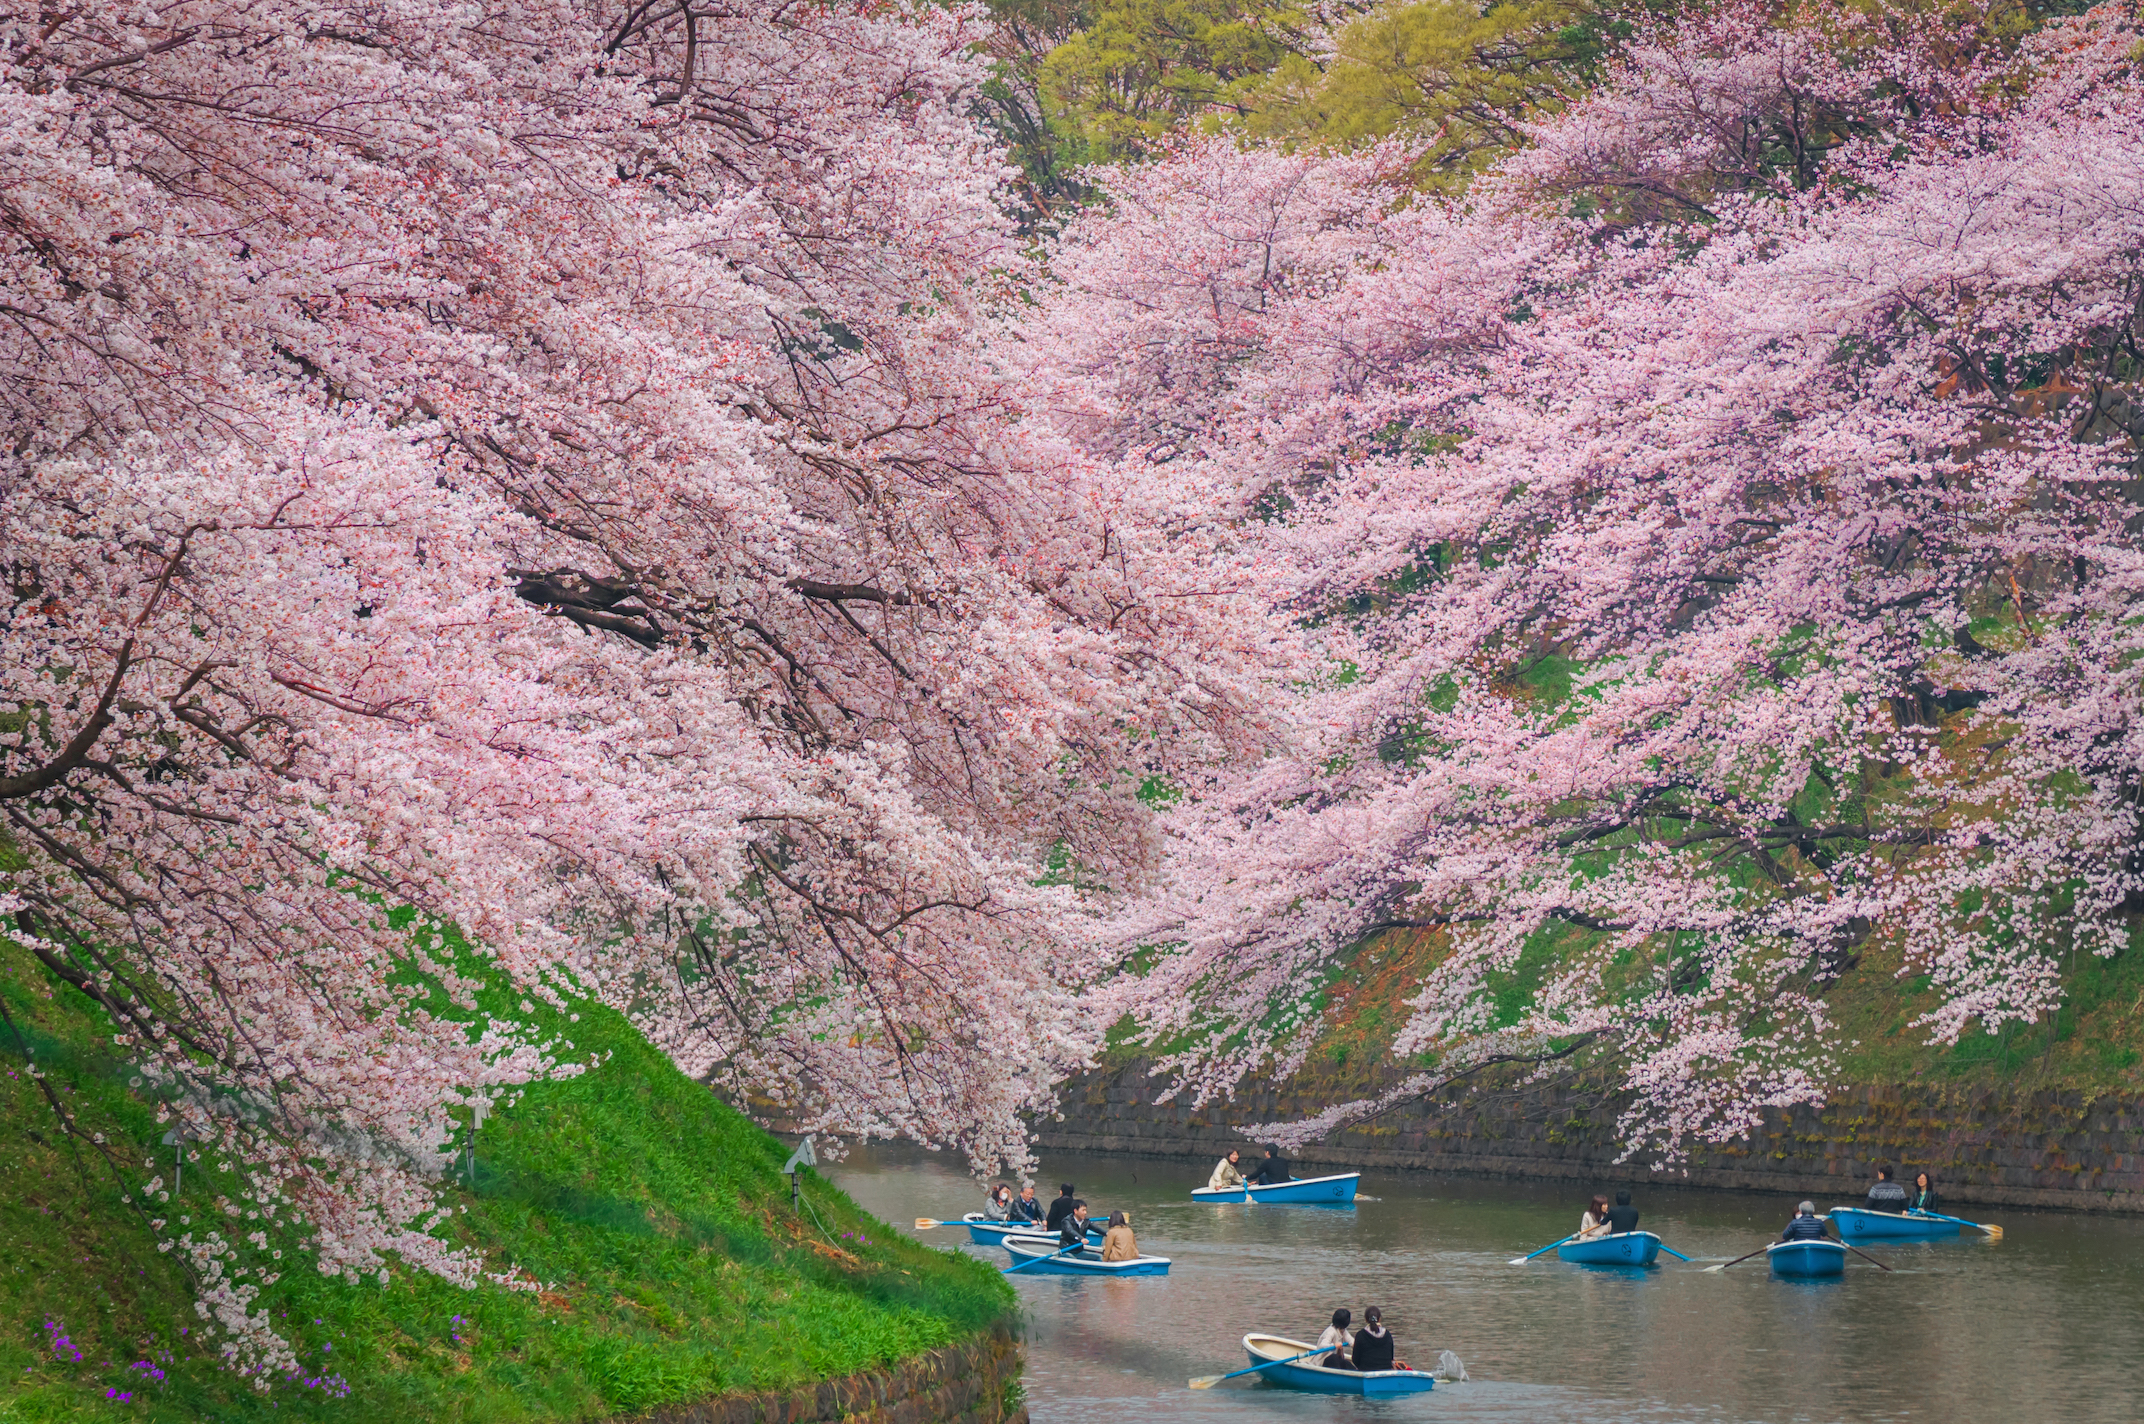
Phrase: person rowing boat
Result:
[1072,1231]
[1805,1226]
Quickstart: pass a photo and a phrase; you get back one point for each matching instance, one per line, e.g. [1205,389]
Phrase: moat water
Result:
[2046,1324]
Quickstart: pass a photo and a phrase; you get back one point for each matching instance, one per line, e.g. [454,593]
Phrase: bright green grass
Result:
[657,1213]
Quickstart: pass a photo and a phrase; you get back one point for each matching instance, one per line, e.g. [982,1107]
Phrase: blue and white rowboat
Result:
[1805,1260]
[1088,1263]
[1858,1224]
[989,1233]
[1337,1190]
[1619,1248]
[1309,1374]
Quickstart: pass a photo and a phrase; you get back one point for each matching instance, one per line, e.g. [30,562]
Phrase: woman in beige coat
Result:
[1118,1243]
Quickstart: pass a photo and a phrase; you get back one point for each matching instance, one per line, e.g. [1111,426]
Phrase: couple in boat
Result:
[1601,1219]
[1068,1215]
[1371,1349]
[1228,1176]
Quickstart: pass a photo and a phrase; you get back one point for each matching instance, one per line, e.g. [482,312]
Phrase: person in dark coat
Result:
[1622,1216]
[1274,1169]
[1072,1231]
[1924,1196]
[1373,1342]
[1025,1207]
[1885,1194]
[1059,1209]
[1805,1226]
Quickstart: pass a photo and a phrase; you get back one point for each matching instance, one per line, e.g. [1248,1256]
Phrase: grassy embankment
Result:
[675,1268]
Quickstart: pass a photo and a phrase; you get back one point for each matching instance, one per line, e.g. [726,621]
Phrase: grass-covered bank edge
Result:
[654,1216]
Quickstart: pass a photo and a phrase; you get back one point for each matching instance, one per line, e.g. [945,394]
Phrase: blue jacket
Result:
[1804,1228]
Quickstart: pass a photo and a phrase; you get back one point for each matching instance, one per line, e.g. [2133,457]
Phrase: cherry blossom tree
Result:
[547,467]
[1713,543]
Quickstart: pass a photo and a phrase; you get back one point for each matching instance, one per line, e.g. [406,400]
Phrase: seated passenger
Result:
[1335,1339]
[998,1205]
[1025,1207]
[1805,1226]
[1273,1170]
[1119,1244]
[1373,1342]
[1227,1177]
[1622,1216]
[1594,1220]
[1924,1194]
[1885,1194]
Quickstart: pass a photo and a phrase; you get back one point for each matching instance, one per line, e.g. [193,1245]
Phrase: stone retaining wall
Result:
[960,1384]
[2042,1149]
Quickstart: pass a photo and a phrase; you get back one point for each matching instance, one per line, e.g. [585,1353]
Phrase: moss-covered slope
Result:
[655,1215]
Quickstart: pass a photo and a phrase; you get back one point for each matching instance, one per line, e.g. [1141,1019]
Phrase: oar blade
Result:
[925,1223]
[1206,1381]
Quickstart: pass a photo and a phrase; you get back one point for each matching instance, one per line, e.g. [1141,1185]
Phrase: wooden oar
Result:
[1740,1259]
[1995,1233]
[1865,1256]
[1032,1260]
[1209,1381]
[1522,1260]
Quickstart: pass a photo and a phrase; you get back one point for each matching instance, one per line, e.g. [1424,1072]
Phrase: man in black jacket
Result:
[1072,1231]
[1622,1216]
[1059,1209]
[1887,1195]
[1273,1169]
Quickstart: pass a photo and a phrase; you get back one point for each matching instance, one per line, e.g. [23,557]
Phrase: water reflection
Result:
[2047,1324]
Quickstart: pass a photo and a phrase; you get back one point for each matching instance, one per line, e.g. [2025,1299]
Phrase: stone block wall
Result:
[960,1384]
[2039,1149]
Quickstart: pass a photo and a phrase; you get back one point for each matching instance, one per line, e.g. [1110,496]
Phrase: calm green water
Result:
[2047,1324]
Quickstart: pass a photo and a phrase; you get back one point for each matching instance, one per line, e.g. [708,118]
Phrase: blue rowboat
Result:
[1619,1248]
[1309,1374]
[1338,1190]
[990,1233]
[1806,1259]
[1088,1263]
[1856,1224]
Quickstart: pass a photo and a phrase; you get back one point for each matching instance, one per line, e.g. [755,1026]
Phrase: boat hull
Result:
[1311,1376]
[990,1233]
[1337,1190]
[1855,1223]
[1088,1263]
[1622,1248]
[1806,1260]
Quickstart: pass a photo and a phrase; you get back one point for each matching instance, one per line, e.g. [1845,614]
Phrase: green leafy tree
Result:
[1460,76]
[1141,69]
